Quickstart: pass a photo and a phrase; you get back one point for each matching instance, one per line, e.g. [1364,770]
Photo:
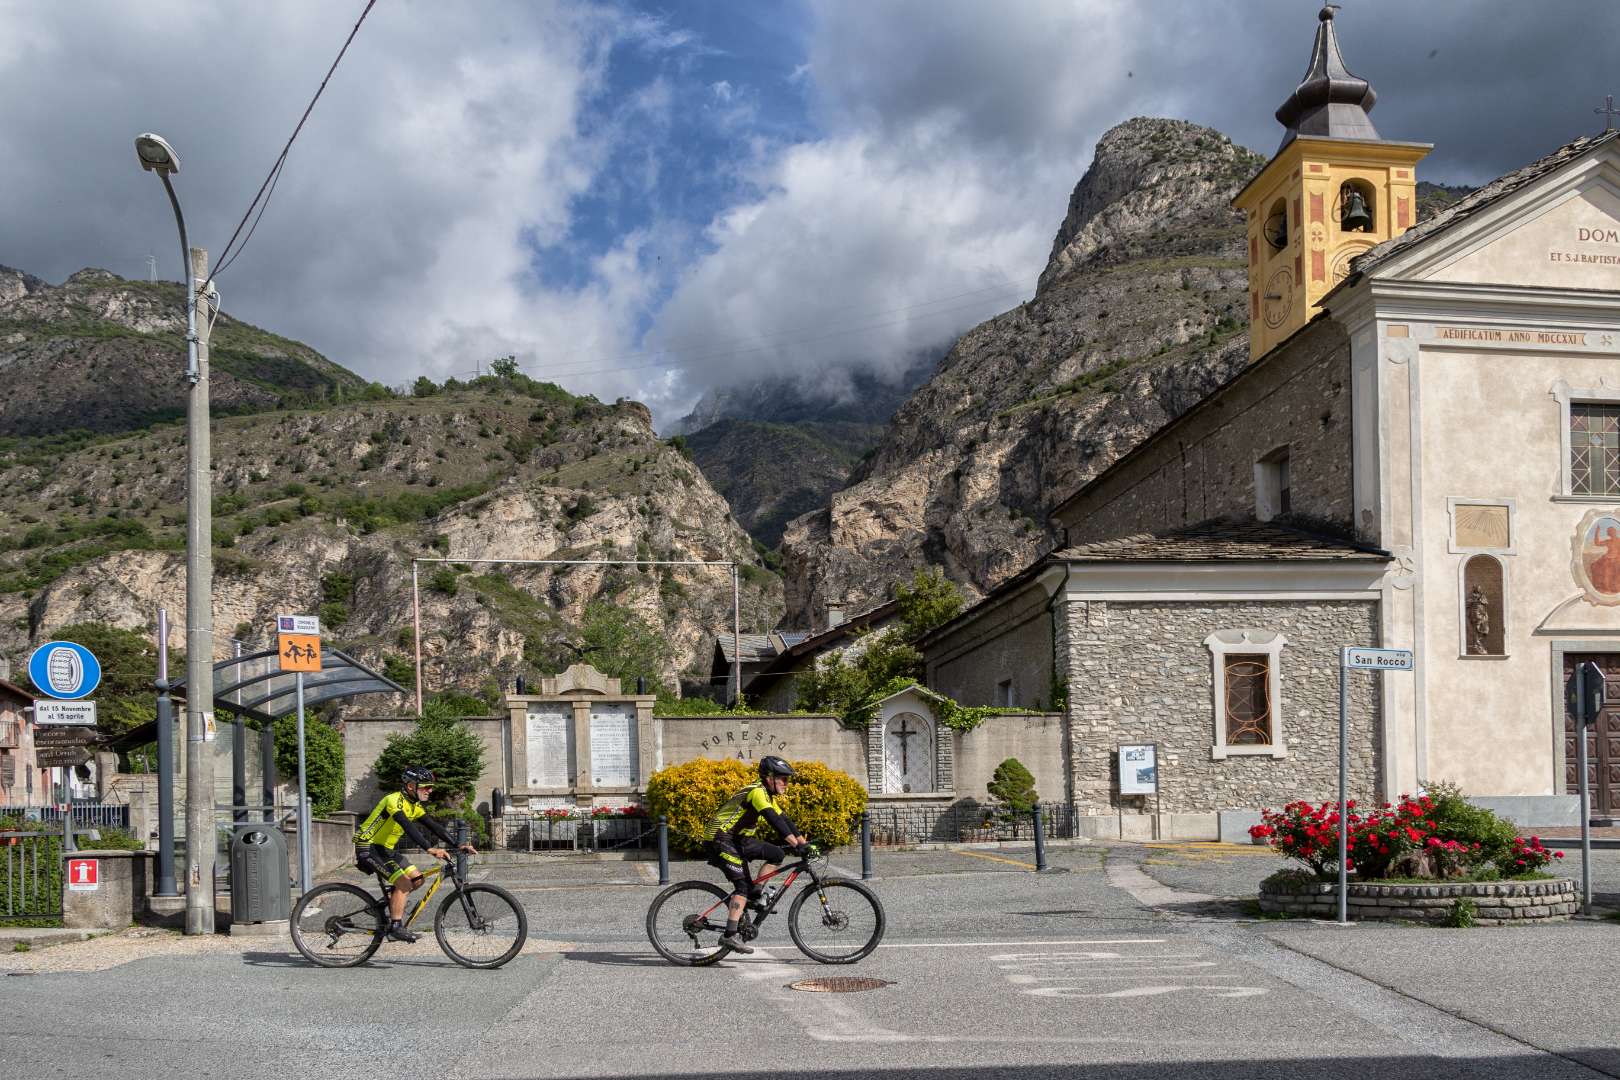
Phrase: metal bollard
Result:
[461,856]
[1040,842]
[866,846]
[663,850]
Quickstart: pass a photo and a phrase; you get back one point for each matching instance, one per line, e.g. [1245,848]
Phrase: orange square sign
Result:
[299,652]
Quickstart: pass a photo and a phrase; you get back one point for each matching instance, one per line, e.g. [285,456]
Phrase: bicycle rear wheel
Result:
[481,926]
[685,923]
[338,925]
[844,924]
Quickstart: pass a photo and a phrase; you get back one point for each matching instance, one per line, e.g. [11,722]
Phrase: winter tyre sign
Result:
[65,670]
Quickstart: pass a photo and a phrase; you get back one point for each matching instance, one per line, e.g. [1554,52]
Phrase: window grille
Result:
[1594,449]
[1248,699]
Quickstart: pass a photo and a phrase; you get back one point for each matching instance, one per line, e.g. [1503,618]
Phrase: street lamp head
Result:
[156,153]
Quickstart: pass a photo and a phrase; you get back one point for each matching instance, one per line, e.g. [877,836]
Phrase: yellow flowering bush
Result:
[822,802]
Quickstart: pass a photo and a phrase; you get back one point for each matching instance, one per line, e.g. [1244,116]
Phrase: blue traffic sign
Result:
[64,669]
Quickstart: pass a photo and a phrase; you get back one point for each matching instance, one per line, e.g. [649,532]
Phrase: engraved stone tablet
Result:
[550,742]
[613,744]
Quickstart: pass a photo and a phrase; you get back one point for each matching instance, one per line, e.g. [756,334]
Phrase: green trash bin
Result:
[261,890]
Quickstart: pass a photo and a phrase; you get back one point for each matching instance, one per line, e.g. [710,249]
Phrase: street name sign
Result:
[1379,659]
[64,669]
[61,757]
[76,713]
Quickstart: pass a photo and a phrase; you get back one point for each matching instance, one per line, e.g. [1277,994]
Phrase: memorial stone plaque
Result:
[613,744]
[550,744]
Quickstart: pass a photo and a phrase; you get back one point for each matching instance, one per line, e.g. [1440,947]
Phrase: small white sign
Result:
[1379,659]
[82,713]
[210,729]
[298,624]
[1138,769]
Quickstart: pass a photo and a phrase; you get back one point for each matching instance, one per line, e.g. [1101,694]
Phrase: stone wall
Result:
[1011,643]
[365,736]
[1496,903]
[1036,739]
[1140,672]
[1202,466]
[749,738]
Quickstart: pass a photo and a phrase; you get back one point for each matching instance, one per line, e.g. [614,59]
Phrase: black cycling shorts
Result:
[732,859]
[384,861]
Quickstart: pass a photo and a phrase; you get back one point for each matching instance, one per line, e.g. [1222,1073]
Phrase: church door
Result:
[1602,739]
[908,754]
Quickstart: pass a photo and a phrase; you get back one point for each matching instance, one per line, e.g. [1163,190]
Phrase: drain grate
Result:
[838,984]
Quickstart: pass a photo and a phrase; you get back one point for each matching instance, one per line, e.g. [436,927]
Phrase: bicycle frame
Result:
[792,870]
[438,875]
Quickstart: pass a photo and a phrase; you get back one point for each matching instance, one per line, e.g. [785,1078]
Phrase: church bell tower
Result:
[1332,190]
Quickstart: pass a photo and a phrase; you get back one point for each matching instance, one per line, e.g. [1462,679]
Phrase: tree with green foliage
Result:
[445,743]
[424,387]
[126,698]
[323,761]
[618,643]
[1013,787]
[504,368]
[931,600]
[839,685]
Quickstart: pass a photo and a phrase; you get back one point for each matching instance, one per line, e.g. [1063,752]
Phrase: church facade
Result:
[1423,454]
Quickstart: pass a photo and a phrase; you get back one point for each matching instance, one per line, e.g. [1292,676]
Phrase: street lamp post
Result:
[156,155]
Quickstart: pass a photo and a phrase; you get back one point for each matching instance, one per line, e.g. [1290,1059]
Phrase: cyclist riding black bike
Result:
[401,814]
[734,839]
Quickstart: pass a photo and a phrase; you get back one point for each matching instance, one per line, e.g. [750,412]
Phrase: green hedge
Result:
[822,802]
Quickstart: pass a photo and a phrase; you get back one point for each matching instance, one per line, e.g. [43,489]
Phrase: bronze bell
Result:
[1355,217]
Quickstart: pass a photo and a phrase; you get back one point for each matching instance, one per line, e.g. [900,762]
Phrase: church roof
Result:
[1474,203]
[1329,102]
[757,648]
[1222,539]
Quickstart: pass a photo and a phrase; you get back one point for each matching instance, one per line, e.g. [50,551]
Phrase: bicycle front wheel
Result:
[338,925]
[685,923]
[481,926]
[838,924]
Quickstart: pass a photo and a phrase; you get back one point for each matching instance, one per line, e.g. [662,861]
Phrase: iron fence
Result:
[85,815]
[573,835]
[967,822]
[30,875]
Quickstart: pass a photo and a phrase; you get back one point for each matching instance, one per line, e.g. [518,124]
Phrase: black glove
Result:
[803,850]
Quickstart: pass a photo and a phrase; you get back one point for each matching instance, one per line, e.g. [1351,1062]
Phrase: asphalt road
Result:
[1125,965]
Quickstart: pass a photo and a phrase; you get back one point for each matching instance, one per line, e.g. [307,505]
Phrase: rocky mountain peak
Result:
[92,275]
[1151,182]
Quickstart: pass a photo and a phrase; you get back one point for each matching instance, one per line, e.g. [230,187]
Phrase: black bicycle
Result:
[479,925]
[833,920]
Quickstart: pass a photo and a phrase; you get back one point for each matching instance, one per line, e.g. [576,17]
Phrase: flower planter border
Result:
[1497,903]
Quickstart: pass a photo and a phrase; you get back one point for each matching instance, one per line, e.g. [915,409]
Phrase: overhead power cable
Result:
[227,255]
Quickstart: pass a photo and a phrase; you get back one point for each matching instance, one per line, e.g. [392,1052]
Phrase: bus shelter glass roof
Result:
[254,684]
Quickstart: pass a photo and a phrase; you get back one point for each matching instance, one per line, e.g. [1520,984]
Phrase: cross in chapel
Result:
[1609,112]
[903,733]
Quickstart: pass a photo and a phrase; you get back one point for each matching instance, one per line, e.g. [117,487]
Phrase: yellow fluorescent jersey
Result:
[381,828]
[740,815]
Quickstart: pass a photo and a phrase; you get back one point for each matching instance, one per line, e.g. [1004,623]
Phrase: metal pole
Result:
[736,637]
[267,769]
[416,625]
[165,749]
[238,756]
[67,828]
[1585,789]
[866,846]
[305,872]
[461,856]
[199,616]
[1344,774]
[1040,842]
[663,850]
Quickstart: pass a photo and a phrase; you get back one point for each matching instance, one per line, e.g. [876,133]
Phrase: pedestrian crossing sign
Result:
[299,652]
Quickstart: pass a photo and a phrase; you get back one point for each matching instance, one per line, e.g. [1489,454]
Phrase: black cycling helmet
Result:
[416,774]
[771,765]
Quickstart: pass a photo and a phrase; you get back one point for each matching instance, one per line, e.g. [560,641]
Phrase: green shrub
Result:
[1458,819]
[111,838]
[822,802]
[1461,915]
[323,761]
[443,581]
[444,743]
[1013,788]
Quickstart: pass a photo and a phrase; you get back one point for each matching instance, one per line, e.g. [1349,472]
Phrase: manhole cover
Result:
[838,984]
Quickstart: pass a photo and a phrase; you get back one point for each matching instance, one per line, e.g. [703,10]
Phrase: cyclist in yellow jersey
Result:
[401,814]
[733,841]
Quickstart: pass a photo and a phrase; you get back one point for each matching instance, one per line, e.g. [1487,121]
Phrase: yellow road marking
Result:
[995,858]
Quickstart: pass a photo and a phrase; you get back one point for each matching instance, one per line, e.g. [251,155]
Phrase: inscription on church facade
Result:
[1521,337]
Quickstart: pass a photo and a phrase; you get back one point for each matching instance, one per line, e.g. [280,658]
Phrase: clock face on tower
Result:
[1278,299]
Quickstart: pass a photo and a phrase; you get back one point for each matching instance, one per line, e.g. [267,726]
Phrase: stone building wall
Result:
[1202,466]
[1140,672]
[1012,643]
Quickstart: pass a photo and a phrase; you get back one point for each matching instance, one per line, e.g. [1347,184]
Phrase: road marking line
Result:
[997,858]
[1015,944]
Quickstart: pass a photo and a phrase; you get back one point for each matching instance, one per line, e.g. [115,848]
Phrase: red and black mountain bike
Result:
[833,920]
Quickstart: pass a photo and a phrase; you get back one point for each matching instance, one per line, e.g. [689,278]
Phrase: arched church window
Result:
[1356,211]
[1484,607]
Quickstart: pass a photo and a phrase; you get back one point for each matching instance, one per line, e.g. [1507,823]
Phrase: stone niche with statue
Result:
[580,741]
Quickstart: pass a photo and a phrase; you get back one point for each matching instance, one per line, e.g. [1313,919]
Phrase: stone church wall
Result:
[1013,643]
[1140,672]
[1202,466]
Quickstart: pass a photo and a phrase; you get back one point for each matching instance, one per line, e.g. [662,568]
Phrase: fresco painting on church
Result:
[1597,557]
